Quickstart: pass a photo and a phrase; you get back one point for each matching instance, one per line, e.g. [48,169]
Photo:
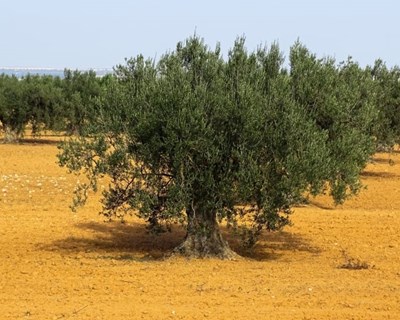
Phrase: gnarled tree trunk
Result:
[203,238]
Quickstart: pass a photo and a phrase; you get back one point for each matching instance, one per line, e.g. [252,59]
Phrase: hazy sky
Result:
[101,33]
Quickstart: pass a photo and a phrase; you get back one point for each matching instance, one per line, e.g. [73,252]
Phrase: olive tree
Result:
[340,100]
[79,91]
[387,100]
[196,139]
[13,111]
[43,100]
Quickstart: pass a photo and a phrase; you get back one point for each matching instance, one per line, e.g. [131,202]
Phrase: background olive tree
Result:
[80,90]
[340,101]
[387,101]
[13,111]
[43,101]
[196,139]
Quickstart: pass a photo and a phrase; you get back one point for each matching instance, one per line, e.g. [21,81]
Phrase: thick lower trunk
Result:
[203,238]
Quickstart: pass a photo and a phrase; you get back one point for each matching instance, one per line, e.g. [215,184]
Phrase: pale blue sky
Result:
[101,33]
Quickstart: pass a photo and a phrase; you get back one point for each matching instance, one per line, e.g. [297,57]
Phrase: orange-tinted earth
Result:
[56,264]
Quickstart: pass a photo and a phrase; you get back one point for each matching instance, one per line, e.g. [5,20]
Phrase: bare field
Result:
[55,264]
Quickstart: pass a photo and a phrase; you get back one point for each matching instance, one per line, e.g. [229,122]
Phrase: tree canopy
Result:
[387,101]
[195,138]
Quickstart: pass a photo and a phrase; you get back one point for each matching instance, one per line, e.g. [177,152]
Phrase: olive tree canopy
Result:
[196,139]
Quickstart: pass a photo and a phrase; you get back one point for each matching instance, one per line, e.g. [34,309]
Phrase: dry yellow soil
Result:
[56,264]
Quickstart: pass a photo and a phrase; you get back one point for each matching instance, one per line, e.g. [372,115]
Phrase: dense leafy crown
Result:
[240,137]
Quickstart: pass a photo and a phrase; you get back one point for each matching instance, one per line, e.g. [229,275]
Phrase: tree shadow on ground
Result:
[380,174]
[276,244]
[117,238]
[380,160]
[129,241]
[322,205]
[39,141]
[33,141]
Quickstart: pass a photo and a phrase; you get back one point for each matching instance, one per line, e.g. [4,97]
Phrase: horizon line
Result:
[52,68]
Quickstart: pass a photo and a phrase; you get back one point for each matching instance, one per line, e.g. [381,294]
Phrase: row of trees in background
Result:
[48,103]
[64,105]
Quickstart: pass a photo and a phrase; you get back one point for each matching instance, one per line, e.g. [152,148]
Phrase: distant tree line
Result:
[65,105]
[47,103]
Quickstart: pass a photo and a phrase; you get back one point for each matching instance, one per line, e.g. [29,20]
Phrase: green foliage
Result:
[13,112]
[339,100]
[48,103]
[387,101]
[43,99]
[80,90]
[194,136]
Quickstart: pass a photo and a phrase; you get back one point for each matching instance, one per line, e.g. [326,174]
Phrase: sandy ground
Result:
[55,264]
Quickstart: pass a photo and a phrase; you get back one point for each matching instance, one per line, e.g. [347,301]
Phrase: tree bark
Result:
[203,238]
